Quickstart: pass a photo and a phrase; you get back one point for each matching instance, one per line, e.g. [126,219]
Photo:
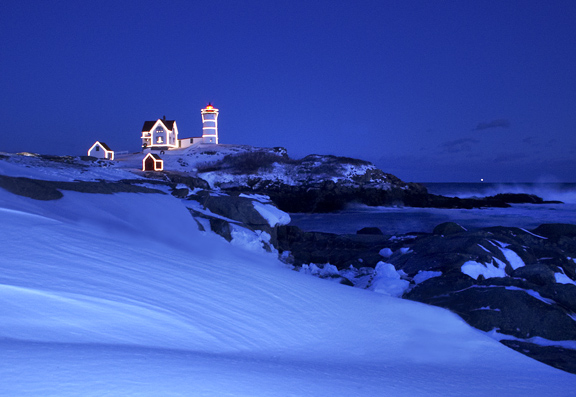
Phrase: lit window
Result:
[159,140]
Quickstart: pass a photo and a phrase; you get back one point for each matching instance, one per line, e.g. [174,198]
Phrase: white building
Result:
[101,150]
[161,134]
[209,124]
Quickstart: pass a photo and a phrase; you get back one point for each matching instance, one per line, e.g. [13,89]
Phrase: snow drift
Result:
[122,295]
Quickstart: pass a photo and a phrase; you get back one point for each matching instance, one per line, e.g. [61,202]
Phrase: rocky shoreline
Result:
[519,286]
[516,285]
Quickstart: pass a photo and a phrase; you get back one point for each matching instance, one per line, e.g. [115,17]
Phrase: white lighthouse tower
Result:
[209,124]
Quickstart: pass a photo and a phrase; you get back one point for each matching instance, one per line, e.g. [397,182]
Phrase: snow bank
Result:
[475,269]
[273,215]
[562,278]
[424,275]
[512,257]
[36,167]
[121,294]
[244,238]
[387,280]
[323,271]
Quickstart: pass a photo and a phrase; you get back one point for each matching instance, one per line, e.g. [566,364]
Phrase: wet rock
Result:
[240,209]
[32,188]
[191,181]
[370,230]
[503,305]
[556,230]
[538,274]
[447,228]
[180,193]
[517,198]
[221,227]
[51,190]
[555,356]
[358,250]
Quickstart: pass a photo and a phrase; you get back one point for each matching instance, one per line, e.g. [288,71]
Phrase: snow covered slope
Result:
[122,295]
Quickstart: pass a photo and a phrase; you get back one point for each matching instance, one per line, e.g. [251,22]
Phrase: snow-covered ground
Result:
[121,295]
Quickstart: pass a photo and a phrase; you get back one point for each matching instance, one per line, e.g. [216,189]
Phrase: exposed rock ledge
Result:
[518,286]
[329,183]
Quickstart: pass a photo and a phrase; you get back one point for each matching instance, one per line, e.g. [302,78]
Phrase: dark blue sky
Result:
[427,90]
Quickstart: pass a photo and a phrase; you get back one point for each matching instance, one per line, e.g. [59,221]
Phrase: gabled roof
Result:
[154,155]
[148,125]
[106,147]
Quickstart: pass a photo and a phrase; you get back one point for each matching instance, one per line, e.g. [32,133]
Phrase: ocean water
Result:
[400,220]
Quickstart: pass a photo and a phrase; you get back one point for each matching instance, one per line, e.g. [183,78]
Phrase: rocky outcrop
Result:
[342,251]
[51,190]
[231,214]
[516,285]
[240,209]
[521,198]
[329,183]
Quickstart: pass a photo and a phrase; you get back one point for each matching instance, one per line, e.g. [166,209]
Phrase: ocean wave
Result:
[565,192]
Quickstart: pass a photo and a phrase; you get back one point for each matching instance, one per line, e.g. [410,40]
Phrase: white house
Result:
[152,162]
[101,150]
[161,134]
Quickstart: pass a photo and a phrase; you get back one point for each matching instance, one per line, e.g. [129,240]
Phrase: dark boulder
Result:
[370,230]
[221,227]
[436,201]
[240,209]
[517,198]
[445,253]
[358,250]
[32,188]
[555,230]
[538,274]
[555,356]
[563,294]
[51,190]
[447,228]
[510,309]
[180,193]
[191,181]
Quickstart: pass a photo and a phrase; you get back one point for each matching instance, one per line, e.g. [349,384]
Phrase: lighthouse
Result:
[209,124]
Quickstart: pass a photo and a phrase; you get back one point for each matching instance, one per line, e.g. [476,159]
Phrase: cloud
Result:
[529,140]
[459,145]
[504,123]
[510,157]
